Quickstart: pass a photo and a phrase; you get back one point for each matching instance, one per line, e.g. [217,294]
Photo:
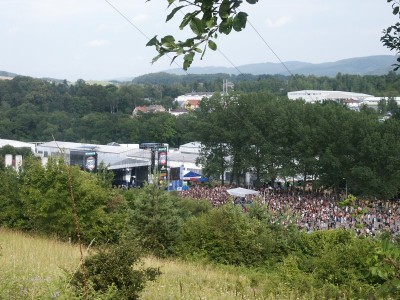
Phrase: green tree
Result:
[12,214]
[157,127]
[47,205]
[155,219]
[212,130]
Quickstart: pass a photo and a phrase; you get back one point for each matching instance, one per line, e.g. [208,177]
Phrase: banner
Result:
[91,161]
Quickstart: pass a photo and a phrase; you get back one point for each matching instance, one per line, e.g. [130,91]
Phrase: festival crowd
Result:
[312,211]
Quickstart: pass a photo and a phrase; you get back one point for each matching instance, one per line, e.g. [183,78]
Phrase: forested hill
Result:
[34,109]
[7,74]
[369,65]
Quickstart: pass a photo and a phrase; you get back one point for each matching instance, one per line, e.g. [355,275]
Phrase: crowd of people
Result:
[310,211]
[217,195]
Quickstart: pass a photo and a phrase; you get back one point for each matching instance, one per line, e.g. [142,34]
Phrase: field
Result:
[37,268]
[33,267]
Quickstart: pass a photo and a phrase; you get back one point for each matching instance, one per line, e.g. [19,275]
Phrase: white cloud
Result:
[50,11]
[281,21]
[140,18]
[97,43]
[13,30]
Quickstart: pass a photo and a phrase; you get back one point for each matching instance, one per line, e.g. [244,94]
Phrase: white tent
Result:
[241,192]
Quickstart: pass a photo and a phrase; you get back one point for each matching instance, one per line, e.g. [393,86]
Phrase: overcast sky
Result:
[88,39]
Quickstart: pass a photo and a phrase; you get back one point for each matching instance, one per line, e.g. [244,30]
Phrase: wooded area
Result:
[257,126]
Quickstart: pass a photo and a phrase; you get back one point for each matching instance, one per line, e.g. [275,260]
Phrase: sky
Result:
[90,40]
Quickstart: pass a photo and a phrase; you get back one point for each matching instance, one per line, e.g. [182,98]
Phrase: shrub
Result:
[111,271]
[193,207]
[225,235]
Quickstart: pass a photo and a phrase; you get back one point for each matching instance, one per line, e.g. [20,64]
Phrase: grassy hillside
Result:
[182,280]
[33,268]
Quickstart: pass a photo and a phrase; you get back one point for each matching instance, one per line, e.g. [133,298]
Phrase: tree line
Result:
[35,110]
[262,132]
[327,144]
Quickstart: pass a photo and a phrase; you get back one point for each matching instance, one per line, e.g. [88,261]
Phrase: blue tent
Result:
[203,179]
[191,175]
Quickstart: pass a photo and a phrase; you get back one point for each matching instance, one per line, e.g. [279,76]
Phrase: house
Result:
[192,96]
[192,104]
[148,109]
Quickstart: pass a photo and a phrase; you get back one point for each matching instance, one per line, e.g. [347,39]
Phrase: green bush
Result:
[225,235]
[384,269]
[111,272]
[337,256]
[193,207]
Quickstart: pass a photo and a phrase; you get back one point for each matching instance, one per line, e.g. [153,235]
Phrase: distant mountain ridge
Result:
[368,65]
[7,74]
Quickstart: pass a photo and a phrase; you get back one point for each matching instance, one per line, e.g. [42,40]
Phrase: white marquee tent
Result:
[241,192]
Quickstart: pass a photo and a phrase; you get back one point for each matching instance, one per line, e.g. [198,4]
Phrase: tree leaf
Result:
[156,58]
[210,23]
[197,26]
[186,19]
[173,12]
[187,60]
[153,41]
[239,22]
[225,26]
[224,9]
[212,45]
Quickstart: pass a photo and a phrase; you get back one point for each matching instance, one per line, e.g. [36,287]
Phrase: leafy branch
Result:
[391,38]
[206,19]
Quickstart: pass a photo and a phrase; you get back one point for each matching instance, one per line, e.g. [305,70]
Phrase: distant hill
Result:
[369,65]
[7,75]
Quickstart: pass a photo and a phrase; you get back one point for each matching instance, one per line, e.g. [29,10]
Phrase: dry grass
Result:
[182,280]
[32,267]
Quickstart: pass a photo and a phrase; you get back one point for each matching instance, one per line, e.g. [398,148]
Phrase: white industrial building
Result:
[315,96]
[374,101]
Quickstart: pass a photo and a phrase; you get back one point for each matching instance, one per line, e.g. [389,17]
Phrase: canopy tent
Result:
[241,192]
[201,179]
[191,175]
